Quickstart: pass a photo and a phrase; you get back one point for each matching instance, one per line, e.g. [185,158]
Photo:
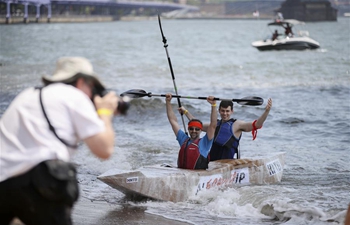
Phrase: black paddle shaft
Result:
[164,40]
[242,101]
[138,93]
[171,69]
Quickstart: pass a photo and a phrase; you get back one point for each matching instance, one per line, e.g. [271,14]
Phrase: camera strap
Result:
[48,121]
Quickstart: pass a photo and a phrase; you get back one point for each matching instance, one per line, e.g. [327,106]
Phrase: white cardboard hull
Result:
[176,185]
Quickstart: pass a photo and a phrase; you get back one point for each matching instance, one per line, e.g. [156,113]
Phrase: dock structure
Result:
[113,9]
[25,5]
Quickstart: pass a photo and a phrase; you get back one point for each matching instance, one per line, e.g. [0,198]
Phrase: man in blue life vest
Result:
[194,150]
[229,131]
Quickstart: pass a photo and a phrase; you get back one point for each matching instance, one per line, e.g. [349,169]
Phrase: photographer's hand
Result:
[102,144]
[106,105]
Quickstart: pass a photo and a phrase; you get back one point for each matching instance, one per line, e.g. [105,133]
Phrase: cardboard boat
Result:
[167,183]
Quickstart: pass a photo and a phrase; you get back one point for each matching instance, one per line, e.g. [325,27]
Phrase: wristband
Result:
[255,130]
[186,111]
[213,105]
[104,111]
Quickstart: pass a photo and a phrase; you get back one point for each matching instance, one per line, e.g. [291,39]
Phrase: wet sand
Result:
[86,212]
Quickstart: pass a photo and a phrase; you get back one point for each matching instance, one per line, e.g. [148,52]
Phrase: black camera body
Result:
[123,103]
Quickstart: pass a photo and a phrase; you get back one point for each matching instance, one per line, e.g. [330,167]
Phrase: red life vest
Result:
[190,157]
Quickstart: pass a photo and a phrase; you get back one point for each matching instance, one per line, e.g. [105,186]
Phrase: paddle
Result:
[138,93]
[171,69]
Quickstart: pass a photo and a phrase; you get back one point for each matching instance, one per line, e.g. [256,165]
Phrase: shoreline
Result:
[60,19]
[93,19]
[90,19]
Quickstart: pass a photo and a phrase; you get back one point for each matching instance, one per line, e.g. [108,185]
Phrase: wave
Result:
[293,214]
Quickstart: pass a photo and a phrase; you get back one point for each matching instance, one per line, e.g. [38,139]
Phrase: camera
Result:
[123,103]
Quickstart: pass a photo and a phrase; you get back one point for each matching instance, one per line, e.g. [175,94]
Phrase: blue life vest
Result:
[225,145]
[190,157]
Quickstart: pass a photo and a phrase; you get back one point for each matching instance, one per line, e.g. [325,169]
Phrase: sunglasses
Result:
[194,128]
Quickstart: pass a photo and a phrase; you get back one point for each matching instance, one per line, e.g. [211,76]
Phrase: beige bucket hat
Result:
[68,67]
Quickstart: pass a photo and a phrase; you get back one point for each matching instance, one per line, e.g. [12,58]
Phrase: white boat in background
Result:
[299,41]
[166,183]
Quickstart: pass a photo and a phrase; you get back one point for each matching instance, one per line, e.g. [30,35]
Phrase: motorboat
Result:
[168,183]
[286,39]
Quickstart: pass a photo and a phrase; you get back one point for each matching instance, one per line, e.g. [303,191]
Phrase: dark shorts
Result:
[43,196]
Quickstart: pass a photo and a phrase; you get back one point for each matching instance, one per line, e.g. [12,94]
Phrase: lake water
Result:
[310,118]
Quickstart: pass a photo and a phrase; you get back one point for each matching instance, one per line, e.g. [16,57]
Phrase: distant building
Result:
[308,10]
[248,7]
[305,10]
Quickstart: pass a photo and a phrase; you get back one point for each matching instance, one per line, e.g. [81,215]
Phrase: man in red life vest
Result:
[229,131]
[194,150]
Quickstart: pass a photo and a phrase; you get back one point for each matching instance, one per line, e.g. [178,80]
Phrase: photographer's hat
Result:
[67,69]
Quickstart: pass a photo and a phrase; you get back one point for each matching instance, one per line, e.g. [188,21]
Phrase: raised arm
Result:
[248,126]
[171,115]
[262,118]
[213,118]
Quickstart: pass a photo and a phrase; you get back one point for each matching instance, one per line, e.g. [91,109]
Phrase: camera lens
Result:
[123,105]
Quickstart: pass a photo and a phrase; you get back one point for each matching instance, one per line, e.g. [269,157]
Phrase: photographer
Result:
[40,130]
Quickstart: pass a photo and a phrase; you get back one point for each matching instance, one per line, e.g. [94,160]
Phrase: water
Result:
[310,118]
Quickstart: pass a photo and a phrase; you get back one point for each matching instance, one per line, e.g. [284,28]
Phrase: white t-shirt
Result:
[25,138]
